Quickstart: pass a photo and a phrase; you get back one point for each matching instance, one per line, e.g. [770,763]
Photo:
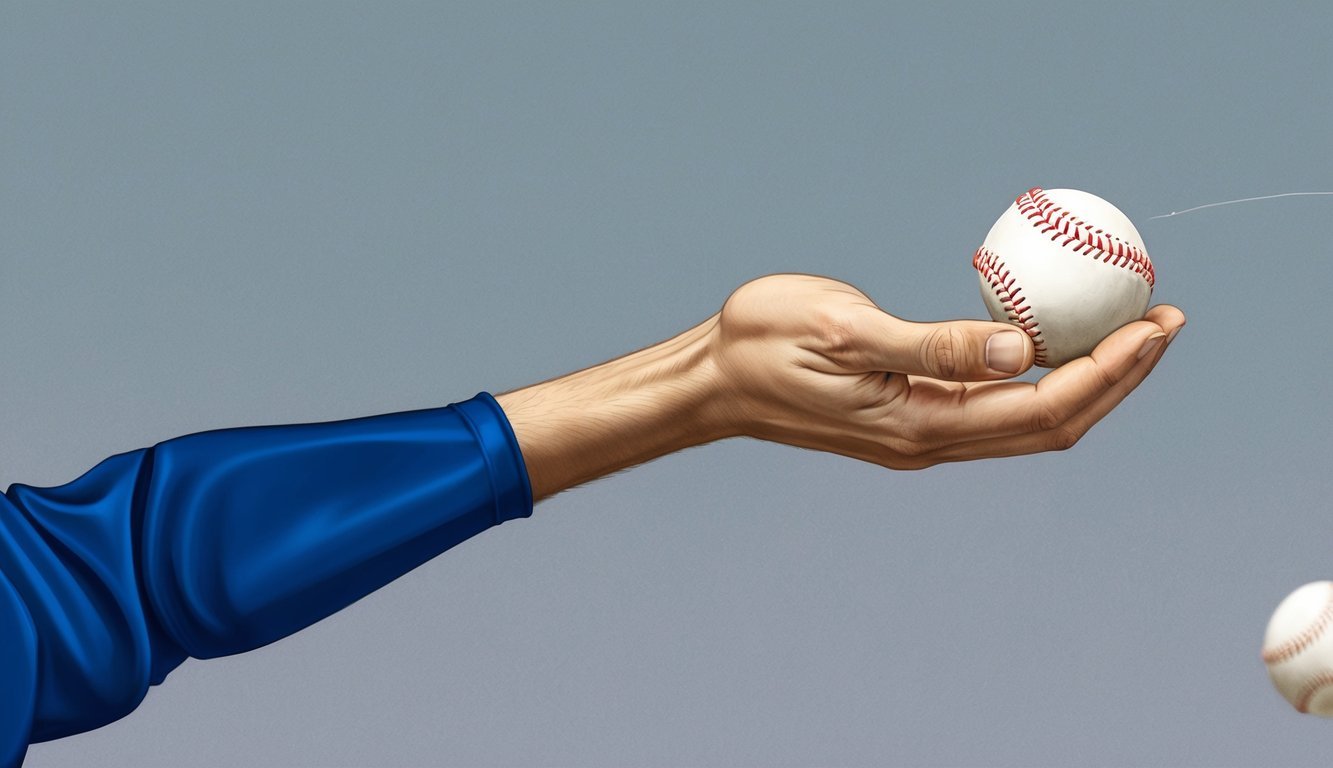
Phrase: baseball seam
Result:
[1316,684]
[994,272]
[1082,237]
[1302,641]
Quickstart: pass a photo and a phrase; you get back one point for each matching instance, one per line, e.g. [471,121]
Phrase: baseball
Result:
[1068,268]
[1298,648]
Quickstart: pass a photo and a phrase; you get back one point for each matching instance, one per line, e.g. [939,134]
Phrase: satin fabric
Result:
[220,542]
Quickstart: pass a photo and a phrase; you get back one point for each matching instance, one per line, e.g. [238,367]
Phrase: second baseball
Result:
[1298,648]
[1066,267]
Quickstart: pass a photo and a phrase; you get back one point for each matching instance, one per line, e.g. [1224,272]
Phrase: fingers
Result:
[1001,408]
[1091,380]
[996,409]
[960,350]
[1168,317]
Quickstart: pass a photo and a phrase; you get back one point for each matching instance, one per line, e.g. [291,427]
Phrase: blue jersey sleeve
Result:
[221,542]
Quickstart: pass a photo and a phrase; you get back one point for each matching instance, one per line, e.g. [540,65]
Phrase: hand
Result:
[813,362]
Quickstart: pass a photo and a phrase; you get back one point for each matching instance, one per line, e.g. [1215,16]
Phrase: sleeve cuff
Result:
[509,475]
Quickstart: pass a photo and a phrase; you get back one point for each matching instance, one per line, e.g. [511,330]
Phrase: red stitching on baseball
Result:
[1081,236]
[1011,298]
[1302,641]
[1316,684]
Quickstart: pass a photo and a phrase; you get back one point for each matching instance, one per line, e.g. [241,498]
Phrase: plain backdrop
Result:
[240,213]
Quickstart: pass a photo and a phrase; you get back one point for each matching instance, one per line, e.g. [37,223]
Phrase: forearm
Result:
[219,542]
[633,409]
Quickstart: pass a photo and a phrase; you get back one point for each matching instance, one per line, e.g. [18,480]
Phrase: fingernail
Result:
[1150,344]
[1004,351]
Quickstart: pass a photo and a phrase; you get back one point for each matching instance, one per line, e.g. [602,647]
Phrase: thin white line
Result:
[1242,200]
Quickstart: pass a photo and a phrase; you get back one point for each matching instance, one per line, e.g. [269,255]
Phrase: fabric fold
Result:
[220,542]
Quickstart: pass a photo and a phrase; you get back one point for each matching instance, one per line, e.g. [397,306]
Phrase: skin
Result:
[812,362]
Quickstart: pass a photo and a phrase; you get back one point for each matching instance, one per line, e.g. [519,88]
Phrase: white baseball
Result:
[1068,268]
[1298,648]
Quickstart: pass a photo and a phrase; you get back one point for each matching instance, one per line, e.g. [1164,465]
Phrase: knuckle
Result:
[909,435]
[1048,417]
[910,449]
[837,332]
[901,447]
[1064,438]
[942,351]
[912,458]
[1106,379]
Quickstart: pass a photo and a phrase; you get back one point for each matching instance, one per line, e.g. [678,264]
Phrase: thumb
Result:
[958,350]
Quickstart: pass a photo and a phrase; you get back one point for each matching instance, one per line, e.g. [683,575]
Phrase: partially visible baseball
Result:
[1298,648]
[1068,268]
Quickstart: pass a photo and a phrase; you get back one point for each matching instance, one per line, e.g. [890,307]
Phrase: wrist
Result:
[624,412]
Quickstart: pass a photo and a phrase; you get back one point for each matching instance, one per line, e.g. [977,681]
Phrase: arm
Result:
[813,362]
[223,541]
[611,416]
[220,542]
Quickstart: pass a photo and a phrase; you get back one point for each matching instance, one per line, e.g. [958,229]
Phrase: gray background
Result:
[252,214]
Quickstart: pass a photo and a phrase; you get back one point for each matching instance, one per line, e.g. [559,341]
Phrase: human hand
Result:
[813,362]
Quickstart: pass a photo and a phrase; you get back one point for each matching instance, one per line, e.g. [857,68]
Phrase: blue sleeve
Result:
[221,542]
